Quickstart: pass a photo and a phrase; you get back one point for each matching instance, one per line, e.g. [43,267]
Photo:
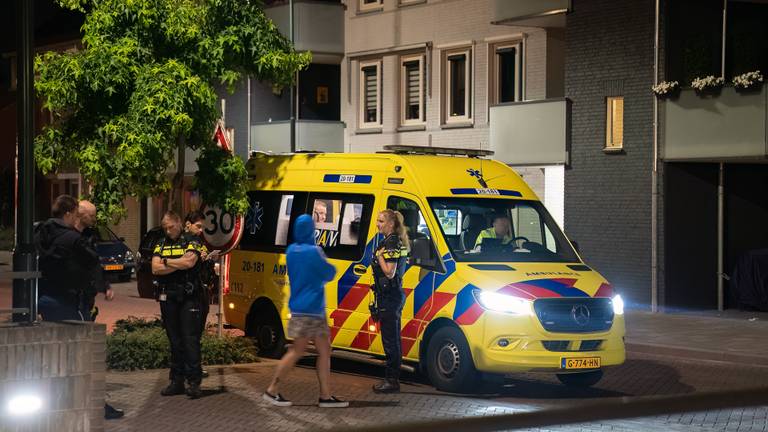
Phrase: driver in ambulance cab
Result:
[500,228]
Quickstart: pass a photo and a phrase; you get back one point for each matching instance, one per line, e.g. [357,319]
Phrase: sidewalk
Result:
[732,336]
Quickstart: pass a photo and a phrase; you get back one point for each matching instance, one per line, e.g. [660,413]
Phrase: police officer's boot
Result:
[193,390]
[176,387]
[387,386]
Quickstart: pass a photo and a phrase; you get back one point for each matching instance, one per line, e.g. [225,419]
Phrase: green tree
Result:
[140,91]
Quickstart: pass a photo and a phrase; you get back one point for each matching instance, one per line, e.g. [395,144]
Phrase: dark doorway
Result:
[690,235]
[746,213]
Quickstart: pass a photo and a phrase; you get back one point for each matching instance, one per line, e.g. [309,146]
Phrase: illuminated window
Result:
[614,122]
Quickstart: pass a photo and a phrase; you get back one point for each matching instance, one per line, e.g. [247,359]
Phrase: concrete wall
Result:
[438,22]
[64,364]
[609,51]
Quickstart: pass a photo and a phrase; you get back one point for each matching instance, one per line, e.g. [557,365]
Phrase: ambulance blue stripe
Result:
[472,191]
[464,300]
[558,287]
[431,283]
[336,178]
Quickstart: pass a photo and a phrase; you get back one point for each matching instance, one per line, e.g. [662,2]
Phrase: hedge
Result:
[137,343]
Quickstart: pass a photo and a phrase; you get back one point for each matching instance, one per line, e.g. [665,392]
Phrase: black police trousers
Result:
[182,322]
[390,311]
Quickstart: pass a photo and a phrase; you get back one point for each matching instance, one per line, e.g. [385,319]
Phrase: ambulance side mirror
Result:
[423,254]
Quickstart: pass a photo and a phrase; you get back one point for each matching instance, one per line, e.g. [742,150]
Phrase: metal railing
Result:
[31,311]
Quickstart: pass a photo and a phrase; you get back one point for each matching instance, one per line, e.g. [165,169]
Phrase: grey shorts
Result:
[308,326]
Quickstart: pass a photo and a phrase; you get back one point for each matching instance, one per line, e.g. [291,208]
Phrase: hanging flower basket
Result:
[666,89]
[708,85]
[750,81]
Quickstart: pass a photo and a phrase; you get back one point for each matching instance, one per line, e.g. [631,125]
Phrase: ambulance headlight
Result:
[503,303]
[618,305]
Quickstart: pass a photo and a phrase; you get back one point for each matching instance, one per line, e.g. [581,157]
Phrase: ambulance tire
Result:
[267,332]
[449,361]
[581,380]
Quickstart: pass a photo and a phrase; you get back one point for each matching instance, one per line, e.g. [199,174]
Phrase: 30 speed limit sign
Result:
[222,230]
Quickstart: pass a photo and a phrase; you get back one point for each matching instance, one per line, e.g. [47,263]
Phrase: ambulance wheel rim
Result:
[448,359]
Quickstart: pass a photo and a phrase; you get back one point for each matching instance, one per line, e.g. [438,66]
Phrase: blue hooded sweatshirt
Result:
[308,270]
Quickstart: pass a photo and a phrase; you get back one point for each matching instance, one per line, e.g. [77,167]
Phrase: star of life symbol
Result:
[479,175]
[253,220]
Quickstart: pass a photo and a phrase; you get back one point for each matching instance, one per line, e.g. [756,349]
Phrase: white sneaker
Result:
[333,402]
[276,400]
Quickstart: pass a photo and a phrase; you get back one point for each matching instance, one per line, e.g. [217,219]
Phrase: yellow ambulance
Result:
[476,302]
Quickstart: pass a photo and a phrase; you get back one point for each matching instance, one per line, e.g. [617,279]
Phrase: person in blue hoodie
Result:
[308,271]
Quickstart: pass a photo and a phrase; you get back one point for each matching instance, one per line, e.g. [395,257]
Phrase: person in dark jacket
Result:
[308,271]
[63,259]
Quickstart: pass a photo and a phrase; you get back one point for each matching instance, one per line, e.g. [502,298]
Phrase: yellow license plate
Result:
[113,267]
[580,363]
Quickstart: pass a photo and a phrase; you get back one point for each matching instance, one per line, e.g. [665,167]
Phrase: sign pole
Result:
[220,312]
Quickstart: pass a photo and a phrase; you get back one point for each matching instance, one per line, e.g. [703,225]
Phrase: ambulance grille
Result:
[574,315]
[563,345]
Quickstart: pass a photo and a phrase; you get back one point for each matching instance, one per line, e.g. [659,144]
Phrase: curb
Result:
[697,354]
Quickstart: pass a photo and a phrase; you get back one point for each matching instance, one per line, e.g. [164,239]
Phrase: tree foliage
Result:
[143,83]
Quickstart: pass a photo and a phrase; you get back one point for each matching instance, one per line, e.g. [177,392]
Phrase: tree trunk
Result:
[175,201]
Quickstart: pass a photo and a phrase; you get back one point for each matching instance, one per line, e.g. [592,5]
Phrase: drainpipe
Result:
[292,94]
[720,236]
[655,176]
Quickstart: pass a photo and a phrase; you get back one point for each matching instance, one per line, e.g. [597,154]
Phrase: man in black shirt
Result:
[86,223]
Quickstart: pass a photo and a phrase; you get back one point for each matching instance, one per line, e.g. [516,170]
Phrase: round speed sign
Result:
[222,230]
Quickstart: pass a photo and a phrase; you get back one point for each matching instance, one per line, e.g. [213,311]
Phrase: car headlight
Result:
[618,305]
[129,256]
[502,303]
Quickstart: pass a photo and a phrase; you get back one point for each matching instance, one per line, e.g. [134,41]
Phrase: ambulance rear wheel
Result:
[582,379]
[267,333]
[449,362]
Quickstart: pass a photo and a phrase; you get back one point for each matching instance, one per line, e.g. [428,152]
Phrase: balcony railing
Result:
[311,135]
[317,26]
[726,126]
[532,132]
[535,13]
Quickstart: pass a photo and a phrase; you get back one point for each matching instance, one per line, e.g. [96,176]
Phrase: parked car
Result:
[117,259]
[144,265]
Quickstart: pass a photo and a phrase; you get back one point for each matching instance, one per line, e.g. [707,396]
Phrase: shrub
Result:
[137,343]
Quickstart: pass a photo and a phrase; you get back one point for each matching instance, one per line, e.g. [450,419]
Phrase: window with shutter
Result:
[370,94]
[412,90]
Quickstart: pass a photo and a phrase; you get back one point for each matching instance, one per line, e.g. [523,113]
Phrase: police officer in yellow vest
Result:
[175,263]
[501,228]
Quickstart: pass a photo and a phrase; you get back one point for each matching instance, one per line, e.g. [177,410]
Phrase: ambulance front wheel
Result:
[267,332]
[582,379]
[449,362]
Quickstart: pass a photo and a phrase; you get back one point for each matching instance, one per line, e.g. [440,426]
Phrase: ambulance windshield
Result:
[501,230]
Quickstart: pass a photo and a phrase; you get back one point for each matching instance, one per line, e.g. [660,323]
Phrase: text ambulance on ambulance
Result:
[492,284]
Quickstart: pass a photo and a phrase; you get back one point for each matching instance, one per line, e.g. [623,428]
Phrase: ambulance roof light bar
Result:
[422,150]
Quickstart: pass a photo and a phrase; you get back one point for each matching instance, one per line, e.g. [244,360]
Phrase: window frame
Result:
[494,83]
[362,124]
[420,58]
[610,144]
[447,81]
[348,252]
[439,266]
[375,6]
